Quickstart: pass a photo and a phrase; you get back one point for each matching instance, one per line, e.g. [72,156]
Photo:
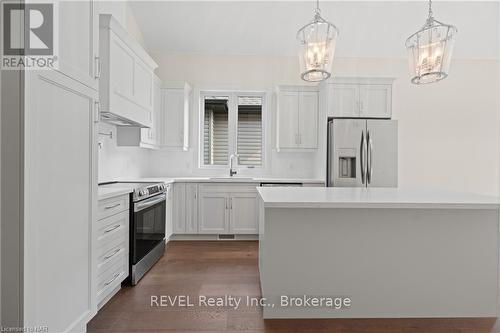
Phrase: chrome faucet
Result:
[231,171]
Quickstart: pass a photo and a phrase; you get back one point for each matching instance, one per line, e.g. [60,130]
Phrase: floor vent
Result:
[226,236]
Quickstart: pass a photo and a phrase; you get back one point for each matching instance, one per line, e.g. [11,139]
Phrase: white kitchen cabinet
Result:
[191,208]
[228,209]
[185,211]
[59,149]
[79,41]
[297,118]
[179,208]
[214,214]
[359,97]
[110,247]
[126,82]
[243,211]
[308,119]
[288,126]
[173,131]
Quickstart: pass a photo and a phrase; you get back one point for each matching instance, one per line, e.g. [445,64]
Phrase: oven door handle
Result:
[149,202]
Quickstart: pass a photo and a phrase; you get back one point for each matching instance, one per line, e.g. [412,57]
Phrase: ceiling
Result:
[367,29]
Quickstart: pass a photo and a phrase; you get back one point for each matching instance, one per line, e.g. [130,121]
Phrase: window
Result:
[232,124]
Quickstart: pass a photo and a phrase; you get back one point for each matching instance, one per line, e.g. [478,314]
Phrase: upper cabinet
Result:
[297,118]
[359,97]
[79,41]
[126,76]
[173,130]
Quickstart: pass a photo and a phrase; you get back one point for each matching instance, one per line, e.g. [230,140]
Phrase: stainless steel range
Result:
[147,226]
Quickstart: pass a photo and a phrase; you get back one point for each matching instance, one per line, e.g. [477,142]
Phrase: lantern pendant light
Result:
[317,48]
[430,49]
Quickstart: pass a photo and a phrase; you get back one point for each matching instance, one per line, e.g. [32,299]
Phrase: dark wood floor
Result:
[220,268]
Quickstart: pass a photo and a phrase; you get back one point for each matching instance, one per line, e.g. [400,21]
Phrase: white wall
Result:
[120,162]
[448,131]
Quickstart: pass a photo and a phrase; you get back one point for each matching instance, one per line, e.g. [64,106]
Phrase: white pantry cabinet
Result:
[359,97]
[297,118]
[79,41]
[59,150]
[173,130]
[185,211]
[228,209]
[126,82]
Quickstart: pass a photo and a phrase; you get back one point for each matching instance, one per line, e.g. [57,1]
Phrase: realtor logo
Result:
[28,35]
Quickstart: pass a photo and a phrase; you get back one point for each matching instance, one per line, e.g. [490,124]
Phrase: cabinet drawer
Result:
[224,187]
[111,206]
[113,227]
[112,277]
[106,257]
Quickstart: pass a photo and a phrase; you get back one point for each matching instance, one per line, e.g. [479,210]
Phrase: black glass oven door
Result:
[148,227]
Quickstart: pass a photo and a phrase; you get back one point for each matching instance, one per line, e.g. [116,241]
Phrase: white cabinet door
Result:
[213,213]
[375,101]
[179,208]
[287,119]
[243,211]
[343,100]
[60,149]
[173,107]
[191,208]
[149,135]
[78,41]
[308,119]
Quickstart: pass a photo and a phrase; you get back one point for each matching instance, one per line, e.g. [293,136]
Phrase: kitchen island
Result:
[377,253]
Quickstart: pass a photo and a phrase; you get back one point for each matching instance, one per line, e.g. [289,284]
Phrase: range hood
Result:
[117,120]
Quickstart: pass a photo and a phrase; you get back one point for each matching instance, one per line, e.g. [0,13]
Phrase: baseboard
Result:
[206,237]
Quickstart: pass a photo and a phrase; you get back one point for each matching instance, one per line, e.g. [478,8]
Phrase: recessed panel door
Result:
[213,213]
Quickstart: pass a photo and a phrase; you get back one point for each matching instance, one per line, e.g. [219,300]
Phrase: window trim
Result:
[232,126]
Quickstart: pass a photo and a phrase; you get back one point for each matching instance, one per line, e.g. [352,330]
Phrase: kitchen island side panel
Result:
[391,263]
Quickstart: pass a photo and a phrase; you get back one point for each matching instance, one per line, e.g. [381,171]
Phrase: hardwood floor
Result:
[220,268]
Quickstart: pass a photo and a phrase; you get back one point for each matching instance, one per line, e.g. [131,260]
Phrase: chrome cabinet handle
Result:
[230,203]
[113,206]
[111,254]
[362,156]
[225,201]
[370,158]
[113,279]
[112,228]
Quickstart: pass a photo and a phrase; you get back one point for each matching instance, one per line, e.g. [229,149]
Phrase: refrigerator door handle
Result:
[363,157]
[370,158]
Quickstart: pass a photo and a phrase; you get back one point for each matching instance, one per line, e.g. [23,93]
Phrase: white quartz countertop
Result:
[235,179]
[110,192]
[329,197]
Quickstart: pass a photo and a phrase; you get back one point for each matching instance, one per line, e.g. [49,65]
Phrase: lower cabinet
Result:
[185,208]
[213,213]
[214,209]
[111,247]
[228,209]
[243,213]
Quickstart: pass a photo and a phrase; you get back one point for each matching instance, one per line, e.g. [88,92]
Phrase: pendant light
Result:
[430,49]
[317,48]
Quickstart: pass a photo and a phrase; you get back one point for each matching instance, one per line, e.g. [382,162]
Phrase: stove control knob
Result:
[143,192]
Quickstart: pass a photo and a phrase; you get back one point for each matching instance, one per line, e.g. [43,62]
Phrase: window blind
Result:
[249,137]
[215,132]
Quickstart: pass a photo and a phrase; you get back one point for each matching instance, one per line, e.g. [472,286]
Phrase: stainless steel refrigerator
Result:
[362,153]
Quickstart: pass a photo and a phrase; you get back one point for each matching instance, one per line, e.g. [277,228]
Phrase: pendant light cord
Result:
[431,14]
